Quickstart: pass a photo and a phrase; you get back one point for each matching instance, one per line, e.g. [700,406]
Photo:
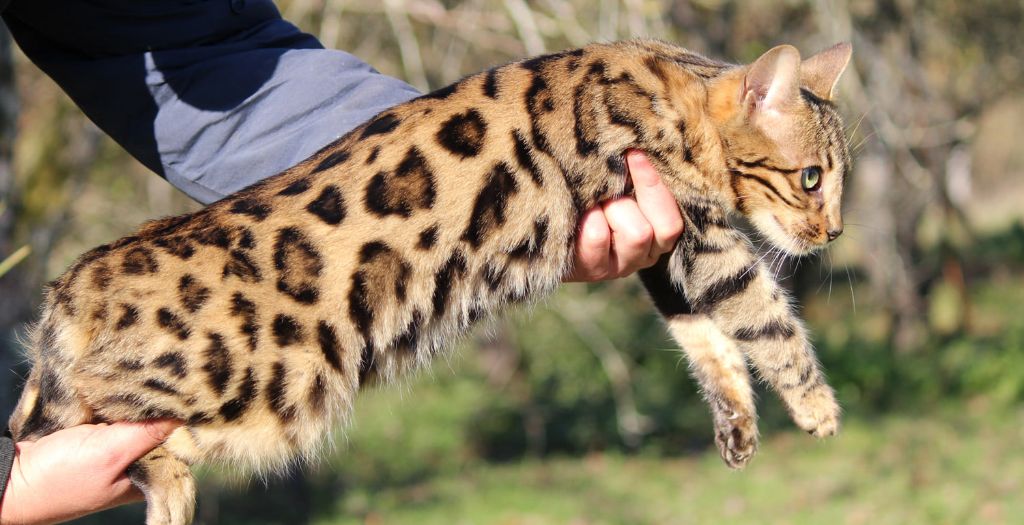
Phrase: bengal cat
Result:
[256,320]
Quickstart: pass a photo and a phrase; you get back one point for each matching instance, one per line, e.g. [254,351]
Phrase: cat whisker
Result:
[849,280]
[831,268]
[856,149]
[856,125]
[756,264]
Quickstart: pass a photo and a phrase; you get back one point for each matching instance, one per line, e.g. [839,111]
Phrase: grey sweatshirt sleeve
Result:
[213,95]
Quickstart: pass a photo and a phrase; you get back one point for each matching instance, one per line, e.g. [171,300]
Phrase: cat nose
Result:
[832,234]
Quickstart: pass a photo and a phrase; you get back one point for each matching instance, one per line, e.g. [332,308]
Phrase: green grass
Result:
[942,469]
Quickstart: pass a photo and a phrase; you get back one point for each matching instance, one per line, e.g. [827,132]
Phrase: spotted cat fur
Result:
[256,320]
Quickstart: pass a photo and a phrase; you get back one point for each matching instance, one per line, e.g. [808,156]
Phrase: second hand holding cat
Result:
[625,234]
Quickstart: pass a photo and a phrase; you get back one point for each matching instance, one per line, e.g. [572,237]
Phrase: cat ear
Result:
[821,72]
[772,82]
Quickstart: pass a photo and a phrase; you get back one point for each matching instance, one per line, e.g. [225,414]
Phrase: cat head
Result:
[785,144]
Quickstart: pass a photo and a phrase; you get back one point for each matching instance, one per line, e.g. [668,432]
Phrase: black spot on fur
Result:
[129,316]
[463,134]
[703,217]
[99,313]
[584,122]
[287,330]
[246,309]
[198,418]
[162,387]
[251,207]
[494,275]
[598,68]
[491,84]
[298,266]
[700,245]
[655,66]
[169,321]
[382,276]
[616,165]
[60,293]
[724,289]
[329,345]
[444,280]
[317,394]
[177,246]
[174,362]
[667,297]
[276,394]
[371,250]
[372,157]
[530,247]
[192,293]
[241,265]
[218,364]
[130,365]
[537,98]
[381,125]
[408,340]
[535,64]
[137,473]
[399,269]
[367,365]
[296,188]
[489,207]
[246,393]
[359,310]
[331,160]
[38,422]
[329,206]
[101,277]
[410,187]
[152,412]
[218,236]
[139,261]
[428,238]
[246,239]
[774,329]
[525,157]
[621,117]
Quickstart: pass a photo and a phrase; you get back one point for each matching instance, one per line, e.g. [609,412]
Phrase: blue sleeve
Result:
[213,95]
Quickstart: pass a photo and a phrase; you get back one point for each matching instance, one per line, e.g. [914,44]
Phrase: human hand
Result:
[77,471]
[624,235]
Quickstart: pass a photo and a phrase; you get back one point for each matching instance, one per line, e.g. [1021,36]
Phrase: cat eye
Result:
[810,178]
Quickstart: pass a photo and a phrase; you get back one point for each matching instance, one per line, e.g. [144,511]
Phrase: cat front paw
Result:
[735,435]
[816,411]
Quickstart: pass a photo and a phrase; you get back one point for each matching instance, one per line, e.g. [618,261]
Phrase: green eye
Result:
[810,178]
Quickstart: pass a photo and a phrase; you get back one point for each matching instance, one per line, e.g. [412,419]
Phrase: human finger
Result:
[127,442]
[632,236]
[655,202]
[593,247]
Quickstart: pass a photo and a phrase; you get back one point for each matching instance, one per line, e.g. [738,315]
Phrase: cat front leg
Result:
[724,279]
[714,360]
[775,341]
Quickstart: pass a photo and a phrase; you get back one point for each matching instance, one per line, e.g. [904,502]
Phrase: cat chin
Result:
[770,226]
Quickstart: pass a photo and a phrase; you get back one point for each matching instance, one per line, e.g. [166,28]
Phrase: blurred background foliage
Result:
[580,409]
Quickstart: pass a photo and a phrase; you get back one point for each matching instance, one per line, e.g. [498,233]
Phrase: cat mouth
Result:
[795,245]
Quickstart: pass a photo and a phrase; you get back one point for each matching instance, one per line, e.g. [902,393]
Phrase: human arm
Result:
[77,471]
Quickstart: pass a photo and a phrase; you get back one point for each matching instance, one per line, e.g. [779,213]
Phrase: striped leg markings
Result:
[714,360]
[738,292]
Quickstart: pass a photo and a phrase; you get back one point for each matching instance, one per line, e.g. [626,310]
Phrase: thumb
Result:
[127,442]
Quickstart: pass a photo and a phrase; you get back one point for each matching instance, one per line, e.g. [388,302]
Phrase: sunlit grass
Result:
[962,468]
